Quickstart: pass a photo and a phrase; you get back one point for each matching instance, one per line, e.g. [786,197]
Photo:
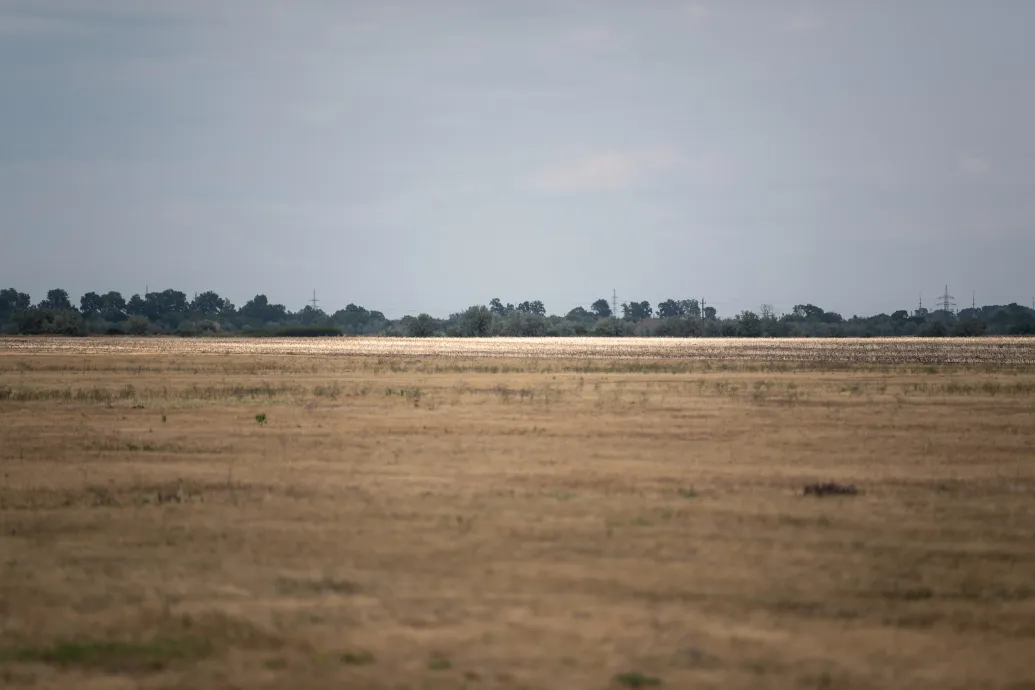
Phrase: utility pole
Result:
[702,307]
[920,309]
[946,301]
[313,301]
[614,303]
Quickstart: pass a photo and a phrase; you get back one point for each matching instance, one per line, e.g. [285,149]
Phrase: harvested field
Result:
[999,351]
[517,514]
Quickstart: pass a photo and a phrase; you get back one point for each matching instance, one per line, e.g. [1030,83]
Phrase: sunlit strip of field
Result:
[1002,350]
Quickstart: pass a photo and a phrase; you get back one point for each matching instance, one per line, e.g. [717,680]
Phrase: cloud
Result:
[606,172]
[803,23]
[973,166]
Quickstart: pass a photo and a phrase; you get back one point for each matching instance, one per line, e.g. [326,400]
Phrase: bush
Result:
[195,328]
[679,327]
[301,332]
[208,326]
[423,326]
[610,328]
[138,325]
[475,322]
[51,322]
[520,324]
[187,329]
[933,329]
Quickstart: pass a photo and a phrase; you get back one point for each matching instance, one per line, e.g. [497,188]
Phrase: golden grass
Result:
[997,350]
[419,521]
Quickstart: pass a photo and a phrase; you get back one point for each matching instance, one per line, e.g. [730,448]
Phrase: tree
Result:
[210,303]
[44,321]
[135,306]
[12,302]
[91,304]
[114,306]
[57,300]
[496,307]
[767,313]
[690,307]
[710,313]
[749,324]
[312,316]
[522,324]
[807,312]
[602,309]
[260,309]
[580,314]
[167,302]
[670,309]
[535,307]
[636,311]
[474,322]
[421,327]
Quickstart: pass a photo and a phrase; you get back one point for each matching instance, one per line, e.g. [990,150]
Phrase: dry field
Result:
[997,351]
[363,513]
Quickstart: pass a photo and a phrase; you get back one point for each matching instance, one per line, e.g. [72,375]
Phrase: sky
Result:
[426,156]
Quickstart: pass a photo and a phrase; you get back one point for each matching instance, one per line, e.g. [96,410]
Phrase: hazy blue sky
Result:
[428,155]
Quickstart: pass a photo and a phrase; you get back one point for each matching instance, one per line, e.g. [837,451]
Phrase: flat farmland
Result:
[586,513]
[998,351]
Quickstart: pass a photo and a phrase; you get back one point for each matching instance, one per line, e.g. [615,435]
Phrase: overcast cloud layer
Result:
[425,156]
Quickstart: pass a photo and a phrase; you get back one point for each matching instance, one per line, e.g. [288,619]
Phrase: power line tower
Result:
[313,301]
[947,302]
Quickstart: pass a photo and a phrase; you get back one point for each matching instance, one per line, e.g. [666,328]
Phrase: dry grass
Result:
[998,350]
[463,521]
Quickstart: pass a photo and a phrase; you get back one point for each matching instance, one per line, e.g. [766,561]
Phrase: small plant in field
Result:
[357,658]
[260,419]
[635,679]
[112,656]
[439,664]
[688,493]
[163,418]
[830,488]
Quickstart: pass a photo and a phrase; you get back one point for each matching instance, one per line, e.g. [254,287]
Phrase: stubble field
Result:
[422,514]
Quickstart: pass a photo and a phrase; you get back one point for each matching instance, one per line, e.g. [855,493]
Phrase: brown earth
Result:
[512,523]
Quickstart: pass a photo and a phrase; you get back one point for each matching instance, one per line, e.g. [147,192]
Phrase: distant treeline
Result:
[171,312]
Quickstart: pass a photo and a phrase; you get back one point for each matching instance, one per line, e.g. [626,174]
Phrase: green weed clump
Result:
[112,656]
[635,679]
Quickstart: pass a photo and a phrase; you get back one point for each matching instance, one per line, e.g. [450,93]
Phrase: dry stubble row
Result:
[999,350]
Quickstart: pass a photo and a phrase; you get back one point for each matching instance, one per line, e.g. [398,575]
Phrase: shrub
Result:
[307,332]
[609,327]
[138,325]
[51,322]
[421,327]
[475,322]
